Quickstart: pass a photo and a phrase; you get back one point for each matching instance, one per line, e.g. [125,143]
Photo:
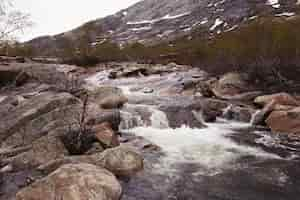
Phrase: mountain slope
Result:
[154,21]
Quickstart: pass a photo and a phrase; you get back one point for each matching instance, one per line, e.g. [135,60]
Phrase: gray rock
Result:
[108,97]
[21,115]
[179,114]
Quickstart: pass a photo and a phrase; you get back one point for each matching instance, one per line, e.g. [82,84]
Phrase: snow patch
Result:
[166,17]
[217,23]
[145,28]
[285,14]
[274,3]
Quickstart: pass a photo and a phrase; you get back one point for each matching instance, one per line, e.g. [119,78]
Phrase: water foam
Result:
[208,147]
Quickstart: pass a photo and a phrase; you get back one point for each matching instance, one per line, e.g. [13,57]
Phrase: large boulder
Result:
[279,98]
[285,121]
[41,151]
[77,181]
[29,110]
[230,84]
[121,161]
[108,97]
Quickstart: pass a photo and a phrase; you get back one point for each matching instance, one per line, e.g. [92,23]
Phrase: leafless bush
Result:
[79,138]
[12,21]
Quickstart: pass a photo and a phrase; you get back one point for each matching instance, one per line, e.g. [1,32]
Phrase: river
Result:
[225,160]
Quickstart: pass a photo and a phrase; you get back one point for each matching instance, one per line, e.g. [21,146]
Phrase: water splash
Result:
[208,147]
[158,119]
[253,120]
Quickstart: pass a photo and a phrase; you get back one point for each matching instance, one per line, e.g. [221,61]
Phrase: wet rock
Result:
[204,90]
[106,135]
[121,161]
[78,181]
[260,116]
[243,97]
[148,90]
[213,106]
[129,71]
[6,169]
[209,115]
[279,98]
[179,114]
[108,97]
[285,121]
[230,84]
[239,113]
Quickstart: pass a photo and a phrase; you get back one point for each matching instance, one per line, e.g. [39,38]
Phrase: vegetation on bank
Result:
[264,46]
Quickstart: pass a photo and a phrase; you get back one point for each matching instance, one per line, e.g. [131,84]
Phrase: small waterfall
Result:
[130,120]
[199,116]
[158,119]
[254,118]
[227,111]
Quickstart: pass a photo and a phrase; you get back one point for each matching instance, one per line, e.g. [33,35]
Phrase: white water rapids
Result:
[209,147]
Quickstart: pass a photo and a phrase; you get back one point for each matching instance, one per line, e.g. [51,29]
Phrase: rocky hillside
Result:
[153,21]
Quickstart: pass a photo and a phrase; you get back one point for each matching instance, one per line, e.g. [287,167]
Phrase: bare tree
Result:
[12,21]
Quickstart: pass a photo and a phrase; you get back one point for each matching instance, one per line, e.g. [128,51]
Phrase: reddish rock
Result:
[106,135]
[279,98]
[285,121]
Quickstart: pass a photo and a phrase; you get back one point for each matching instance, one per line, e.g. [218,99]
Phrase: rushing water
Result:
[225,161]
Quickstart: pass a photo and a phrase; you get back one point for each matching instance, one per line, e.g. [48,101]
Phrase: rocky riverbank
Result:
[133,131]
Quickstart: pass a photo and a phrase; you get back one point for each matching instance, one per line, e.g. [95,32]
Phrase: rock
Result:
[12,59]
[113,117]
[96,148]
[106,135]
[238,113]
[109,97]
[33,113]
[230,84]
[11,152]
[8,75]
[285,121]
[204,89]
[211,108]
[22,78]
[132,70]
[243,97]
[148,90]
[121,161]
[6,169]
[279,98]
[74,181]
[260,116]
[42,150]
[209,115]
[113,75]
[179,114]
[113,102]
